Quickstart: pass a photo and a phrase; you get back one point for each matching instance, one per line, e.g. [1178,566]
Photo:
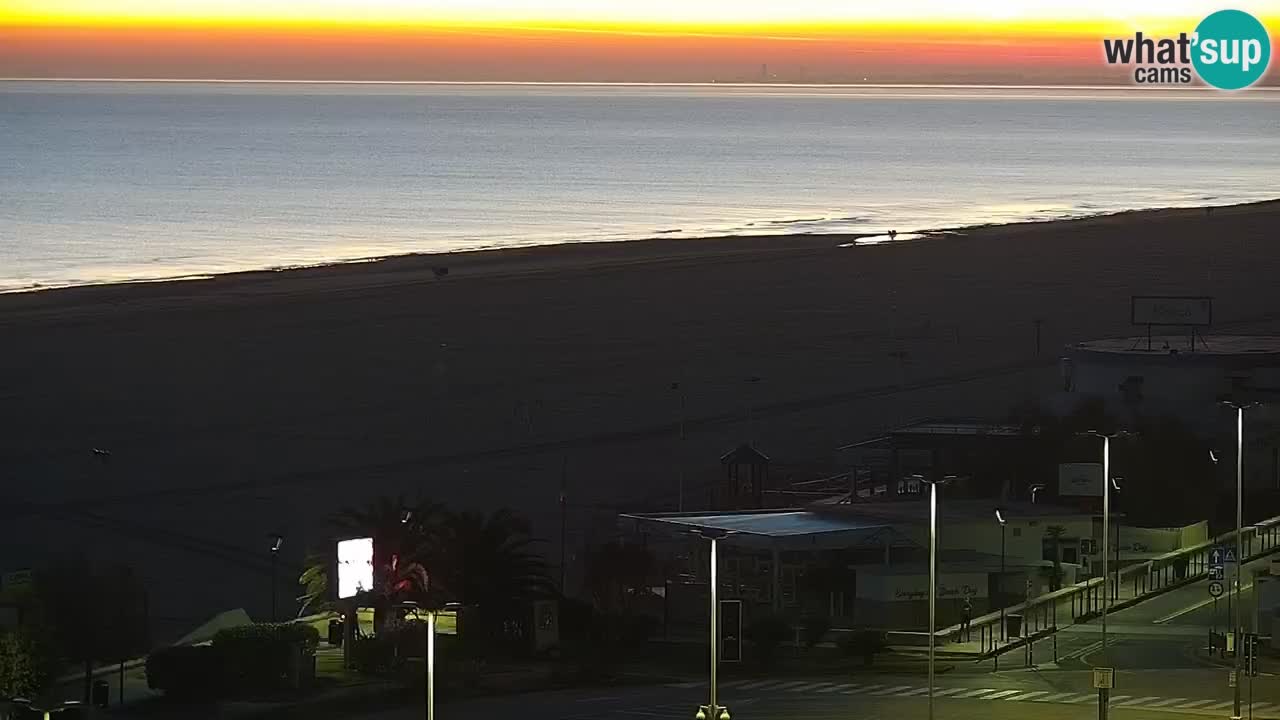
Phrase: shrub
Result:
[766,635]
[813,628]
[865,644]
[257,656]
[26,663]
[374,655]
[186,671]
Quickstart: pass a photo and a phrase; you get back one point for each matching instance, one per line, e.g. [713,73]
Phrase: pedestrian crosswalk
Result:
[1261,711]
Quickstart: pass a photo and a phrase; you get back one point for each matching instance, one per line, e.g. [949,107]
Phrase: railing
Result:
[1083,600]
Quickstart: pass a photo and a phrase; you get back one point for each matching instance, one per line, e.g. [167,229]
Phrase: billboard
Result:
[355,567]
[1169,310]
[1080,479]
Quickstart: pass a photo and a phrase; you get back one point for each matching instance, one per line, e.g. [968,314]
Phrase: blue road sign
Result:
[1215,556]
[1215,572]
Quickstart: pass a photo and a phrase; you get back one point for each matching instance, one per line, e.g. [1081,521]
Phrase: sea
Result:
[112,181]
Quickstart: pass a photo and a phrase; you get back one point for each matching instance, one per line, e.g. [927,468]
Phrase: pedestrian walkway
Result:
[739,688]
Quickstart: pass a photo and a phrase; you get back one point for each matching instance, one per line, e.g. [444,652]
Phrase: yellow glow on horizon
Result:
[808,17]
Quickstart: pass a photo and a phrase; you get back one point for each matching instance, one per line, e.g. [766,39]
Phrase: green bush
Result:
[26,663]
[186,671]
[374,655]
[813,628]
[766,636]
[257,656]
[865,644]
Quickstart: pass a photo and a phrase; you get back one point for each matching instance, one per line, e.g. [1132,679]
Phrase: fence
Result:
[1083,600]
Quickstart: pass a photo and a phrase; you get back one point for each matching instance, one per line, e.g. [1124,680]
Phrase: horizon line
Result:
[629,83]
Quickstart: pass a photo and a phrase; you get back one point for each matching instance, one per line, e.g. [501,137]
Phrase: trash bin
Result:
[1013,625]
[101,693]
[335,633]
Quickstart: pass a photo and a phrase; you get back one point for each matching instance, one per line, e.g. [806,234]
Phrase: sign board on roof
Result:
[1170,310]
[1080,479]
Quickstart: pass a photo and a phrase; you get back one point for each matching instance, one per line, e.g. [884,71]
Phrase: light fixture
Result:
[1000,516]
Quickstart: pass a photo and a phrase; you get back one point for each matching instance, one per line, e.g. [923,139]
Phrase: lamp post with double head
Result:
[1236,621]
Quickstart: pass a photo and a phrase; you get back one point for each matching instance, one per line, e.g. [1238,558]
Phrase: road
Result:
[1061,695]
[1167,631]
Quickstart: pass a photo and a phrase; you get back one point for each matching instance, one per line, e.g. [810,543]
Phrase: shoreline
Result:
[420,261]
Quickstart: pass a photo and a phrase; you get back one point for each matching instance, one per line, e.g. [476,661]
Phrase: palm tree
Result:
[407,540]
[491,561]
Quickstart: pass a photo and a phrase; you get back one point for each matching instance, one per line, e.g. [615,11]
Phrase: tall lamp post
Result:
[1104,695]
[1000,518]
[277,542]
[1239,407]
[712,710]
[430,651]
[933,573]
[1115,584]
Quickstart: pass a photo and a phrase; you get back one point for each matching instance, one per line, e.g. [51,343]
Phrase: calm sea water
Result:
[103,182]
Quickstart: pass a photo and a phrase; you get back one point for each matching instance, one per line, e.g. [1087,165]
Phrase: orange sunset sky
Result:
[886,41]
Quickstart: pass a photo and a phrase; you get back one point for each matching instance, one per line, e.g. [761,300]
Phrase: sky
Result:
[859,41]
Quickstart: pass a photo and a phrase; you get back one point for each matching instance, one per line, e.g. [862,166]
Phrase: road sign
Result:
[1230,556]
[1215,572]
[1216,556]
[1104,678]
[1231,678]
[1215,589]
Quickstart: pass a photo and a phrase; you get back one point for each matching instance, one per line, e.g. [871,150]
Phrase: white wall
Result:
[915,586]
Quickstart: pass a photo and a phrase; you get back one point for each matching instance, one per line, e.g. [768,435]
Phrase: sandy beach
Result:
[276,397]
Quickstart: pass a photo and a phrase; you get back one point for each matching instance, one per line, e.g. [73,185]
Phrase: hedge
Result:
[257,657]
[186,671]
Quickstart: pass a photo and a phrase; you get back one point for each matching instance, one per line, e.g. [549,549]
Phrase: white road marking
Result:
[861,688]
[1002,693]
[1060,697]
[1203,603]
[891,690]
[1026,696]
[1170,701]
[755,685]
[1219,706]
[947,691]
[1138,700]
[789,685]
[839,688]
[917,691]
[1188,706]
[975,693]
[808,686]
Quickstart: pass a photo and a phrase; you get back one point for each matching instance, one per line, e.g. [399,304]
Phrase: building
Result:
[1186,377]
[866,563]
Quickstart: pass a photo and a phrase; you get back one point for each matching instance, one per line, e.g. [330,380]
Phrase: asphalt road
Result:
[1060,695]
[1165,632]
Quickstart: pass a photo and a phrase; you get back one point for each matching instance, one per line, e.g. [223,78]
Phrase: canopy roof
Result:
[780,529]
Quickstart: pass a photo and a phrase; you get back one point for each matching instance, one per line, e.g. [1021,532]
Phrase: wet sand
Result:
[257,402]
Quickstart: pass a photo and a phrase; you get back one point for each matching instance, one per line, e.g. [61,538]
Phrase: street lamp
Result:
[1239,407]
[1035,489]
[1106,524]
[1115,586]
[430,651]
[933,571]
[1000,518]
[712,710]
[277,542]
